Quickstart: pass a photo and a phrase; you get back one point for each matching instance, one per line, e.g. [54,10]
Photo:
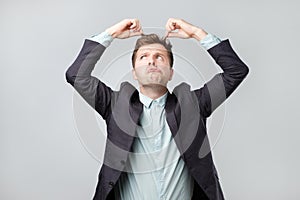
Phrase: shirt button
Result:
[111,184]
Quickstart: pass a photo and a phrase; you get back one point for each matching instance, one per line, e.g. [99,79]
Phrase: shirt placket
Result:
[155,113]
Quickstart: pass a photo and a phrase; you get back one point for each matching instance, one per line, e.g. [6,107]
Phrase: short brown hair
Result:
[152,39]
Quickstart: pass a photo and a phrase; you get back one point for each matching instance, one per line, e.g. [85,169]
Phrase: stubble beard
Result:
[153,81]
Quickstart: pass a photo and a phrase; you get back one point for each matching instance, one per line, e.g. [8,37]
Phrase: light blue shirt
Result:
[157,171]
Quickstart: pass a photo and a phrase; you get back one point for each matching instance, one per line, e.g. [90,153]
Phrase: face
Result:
[152,66]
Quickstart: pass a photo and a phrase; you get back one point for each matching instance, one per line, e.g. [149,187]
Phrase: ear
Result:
[133,74]
[171,74]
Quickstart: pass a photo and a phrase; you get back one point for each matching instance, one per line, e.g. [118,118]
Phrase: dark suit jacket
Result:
[186,114]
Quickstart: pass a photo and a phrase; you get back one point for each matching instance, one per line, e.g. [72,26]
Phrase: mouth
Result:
[151,70]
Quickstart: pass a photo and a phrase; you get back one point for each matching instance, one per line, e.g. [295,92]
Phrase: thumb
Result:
[174,34]
[135,33]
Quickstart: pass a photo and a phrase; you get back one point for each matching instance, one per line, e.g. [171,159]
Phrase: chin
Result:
[155,84]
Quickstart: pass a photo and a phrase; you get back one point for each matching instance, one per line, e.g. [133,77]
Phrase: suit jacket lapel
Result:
[170,113]
[126,111]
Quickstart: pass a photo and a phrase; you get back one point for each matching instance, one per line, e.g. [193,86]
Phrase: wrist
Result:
[103,38]
[199,34]
[111,32]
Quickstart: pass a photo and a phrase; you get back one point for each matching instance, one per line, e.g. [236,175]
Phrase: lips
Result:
[153,70]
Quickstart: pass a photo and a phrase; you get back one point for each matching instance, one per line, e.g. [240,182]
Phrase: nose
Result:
[151,61]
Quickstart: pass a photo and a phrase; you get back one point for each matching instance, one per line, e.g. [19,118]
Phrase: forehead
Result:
[152,48]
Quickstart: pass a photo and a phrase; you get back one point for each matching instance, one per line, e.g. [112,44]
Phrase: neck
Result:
[153,91]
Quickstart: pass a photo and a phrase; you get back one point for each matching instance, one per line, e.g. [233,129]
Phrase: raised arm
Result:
[221,86]
[95,92]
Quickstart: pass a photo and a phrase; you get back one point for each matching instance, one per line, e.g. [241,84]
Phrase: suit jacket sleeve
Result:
[95,92]
[221,86]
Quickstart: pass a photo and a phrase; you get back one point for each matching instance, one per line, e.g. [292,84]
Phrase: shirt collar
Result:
[147,101]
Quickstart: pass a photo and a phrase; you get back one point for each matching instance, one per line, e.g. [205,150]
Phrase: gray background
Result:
[48,149]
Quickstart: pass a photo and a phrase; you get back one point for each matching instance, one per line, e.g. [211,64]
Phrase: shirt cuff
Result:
[209,41]
[103,38]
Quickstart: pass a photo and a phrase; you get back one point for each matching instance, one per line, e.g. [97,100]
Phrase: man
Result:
[154,137]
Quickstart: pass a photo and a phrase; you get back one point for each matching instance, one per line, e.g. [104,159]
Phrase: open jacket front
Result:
[186,114]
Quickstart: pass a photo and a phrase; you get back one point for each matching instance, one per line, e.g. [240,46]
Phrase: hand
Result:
[125,29]
[182,29]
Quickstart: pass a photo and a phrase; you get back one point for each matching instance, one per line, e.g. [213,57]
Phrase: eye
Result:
[159,57]
[142,57]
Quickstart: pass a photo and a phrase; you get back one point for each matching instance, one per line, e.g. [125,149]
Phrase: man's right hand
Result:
[125,29]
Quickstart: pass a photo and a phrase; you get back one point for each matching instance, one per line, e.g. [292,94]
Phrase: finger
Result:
[174,34]
[127,23]
[169,23]
[166,35]
[135,24]
[132,24]
[138,26]
[174,26]
[135,33]
[174,23]
[168,29]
